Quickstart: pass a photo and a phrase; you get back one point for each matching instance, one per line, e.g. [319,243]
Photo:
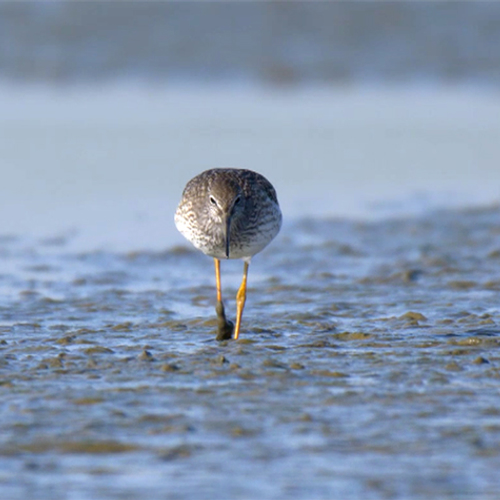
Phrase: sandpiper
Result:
[229,213]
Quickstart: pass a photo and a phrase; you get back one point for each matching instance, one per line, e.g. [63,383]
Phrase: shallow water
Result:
[368,366]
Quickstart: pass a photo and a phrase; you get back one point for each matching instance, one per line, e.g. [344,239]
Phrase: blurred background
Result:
[351,109]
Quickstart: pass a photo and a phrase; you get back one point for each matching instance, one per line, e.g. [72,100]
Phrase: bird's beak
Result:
[228,233]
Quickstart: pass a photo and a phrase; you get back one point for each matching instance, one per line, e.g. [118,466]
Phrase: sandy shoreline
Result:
[111,163]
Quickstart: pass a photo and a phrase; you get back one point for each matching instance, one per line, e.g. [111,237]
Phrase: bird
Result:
[229,213]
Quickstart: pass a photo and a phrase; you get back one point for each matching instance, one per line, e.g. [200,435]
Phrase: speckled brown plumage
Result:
[255,218]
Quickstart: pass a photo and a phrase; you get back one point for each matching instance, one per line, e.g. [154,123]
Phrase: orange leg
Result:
[217,280]
[241,297]
[224,327]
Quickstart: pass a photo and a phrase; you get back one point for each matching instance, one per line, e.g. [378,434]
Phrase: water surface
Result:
[368,366]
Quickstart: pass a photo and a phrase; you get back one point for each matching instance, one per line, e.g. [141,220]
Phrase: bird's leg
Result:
[217,279]
[241,297]
[224,327]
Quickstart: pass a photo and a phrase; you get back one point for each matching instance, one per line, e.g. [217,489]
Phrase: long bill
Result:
[228,235]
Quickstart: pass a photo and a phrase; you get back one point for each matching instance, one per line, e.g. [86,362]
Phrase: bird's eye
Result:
[237,200]
[213,201]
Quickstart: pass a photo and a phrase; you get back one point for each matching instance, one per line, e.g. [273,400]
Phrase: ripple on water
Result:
[369,363]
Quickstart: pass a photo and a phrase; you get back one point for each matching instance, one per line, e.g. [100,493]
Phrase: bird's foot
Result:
[225,328]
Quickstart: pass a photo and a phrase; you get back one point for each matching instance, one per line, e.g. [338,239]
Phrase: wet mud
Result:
[368,366]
